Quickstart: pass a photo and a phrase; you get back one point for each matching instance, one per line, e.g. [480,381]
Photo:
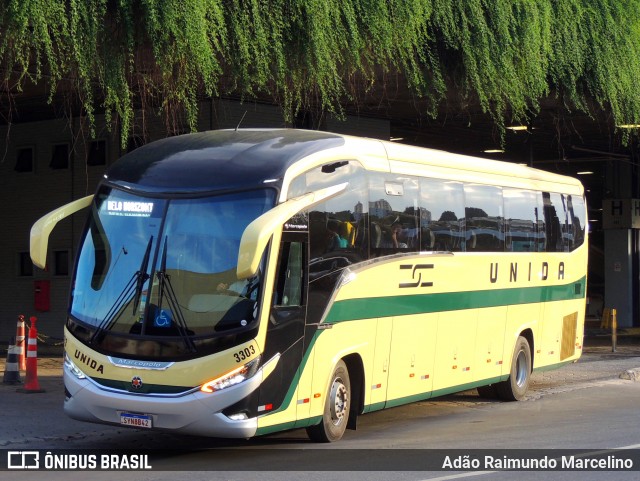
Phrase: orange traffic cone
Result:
[31,384]
[22,365]
[11,371]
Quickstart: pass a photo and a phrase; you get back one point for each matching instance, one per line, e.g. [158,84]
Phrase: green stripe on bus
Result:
[365,308]
[467,386]
[442,392]
[369,408]
[286,402]
[372,307]
[391,403]
[455,389]
[301,423]
[275,428]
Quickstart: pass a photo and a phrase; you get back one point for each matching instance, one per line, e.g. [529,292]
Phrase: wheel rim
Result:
[339,401]
[522,369]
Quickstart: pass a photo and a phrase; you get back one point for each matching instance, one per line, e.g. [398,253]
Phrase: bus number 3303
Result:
[246,353]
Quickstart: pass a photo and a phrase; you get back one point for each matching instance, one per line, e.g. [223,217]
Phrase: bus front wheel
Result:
[336,408]
[514,388]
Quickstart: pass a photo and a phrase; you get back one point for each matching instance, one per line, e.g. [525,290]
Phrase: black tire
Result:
[514,388]
[487,392]
[336,408]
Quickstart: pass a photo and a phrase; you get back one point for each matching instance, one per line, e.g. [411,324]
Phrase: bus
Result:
[235,283]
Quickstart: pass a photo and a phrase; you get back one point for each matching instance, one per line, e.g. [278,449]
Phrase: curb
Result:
[631,374]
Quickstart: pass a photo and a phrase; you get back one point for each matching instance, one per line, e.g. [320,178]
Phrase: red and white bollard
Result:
[31,384]
[22,364]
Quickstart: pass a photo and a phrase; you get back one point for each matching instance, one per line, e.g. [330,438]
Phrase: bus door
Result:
[285,333]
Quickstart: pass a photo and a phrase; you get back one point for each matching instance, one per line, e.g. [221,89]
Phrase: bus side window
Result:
[522,232]
[441,211]
[335,225]
[577,212]
[394,213]
[290,276]
[483,218]
[317,233]
[554,217]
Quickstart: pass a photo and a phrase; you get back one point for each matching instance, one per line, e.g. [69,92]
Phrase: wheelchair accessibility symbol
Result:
[163,319]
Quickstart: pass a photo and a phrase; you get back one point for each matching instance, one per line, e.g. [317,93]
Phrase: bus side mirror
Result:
[39,238]
[257,234]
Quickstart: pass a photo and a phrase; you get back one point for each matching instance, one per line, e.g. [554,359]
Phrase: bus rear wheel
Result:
[336,408]
[514,388]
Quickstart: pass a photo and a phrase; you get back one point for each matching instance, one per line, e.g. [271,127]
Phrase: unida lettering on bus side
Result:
[526,271]
[516,271]
[87,361]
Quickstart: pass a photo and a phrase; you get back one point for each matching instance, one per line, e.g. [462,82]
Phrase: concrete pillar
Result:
[618,274]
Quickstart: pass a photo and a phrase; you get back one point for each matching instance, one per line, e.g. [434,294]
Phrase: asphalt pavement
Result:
[38,417]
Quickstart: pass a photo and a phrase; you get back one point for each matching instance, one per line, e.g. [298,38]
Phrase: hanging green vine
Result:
[119,55]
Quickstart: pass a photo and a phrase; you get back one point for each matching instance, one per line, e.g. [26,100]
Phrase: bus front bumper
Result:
[196,413]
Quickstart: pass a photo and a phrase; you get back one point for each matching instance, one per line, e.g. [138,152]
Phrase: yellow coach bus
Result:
[237,283]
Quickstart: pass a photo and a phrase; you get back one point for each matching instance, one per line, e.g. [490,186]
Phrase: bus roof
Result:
[218,160]
[251,158]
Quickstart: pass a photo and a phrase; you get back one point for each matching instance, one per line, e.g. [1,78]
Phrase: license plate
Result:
[136,420]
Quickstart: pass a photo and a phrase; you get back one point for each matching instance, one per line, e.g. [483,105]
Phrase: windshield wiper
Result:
[142,275]
[161,274]
[136,282]
[166,287]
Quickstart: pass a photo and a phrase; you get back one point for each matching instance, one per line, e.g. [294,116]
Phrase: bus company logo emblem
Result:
[416,275]
[136,382]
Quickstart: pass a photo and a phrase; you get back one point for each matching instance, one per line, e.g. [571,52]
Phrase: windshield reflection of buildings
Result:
[380,208]
[358,212]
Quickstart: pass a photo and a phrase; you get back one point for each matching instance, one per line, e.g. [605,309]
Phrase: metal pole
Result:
[614,330]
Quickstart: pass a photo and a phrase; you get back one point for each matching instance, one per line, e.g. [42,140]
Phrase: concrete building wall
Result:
[26,196]
[360,126]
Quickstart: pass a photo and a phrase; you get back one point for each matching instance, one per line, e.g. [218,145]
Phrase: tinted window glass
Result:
[555,221]
[192,288]
[288,289]
[483,218]
[441,215]
[578,214]
[338,229]
[394,213]
[338,234]
[524,227]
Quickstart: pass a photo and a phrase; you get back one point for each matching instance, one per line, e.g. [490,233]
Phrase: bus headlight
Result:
[232,378]
[73,369]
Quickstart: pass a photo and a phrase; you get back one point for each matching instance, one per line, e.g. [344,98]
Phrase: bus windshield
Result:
[156,267]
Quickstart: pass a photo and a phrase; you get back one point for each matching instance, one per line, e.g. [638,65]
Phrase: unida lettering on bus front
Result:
[87,361]
[523,270]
